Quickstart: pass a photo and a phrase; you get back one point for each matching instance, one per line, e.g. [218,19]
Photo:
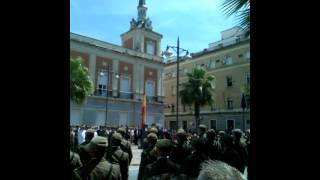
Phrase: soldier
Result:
[98,167]
[144,144]
[202,131]
[117,156]
[239,147]
[211,148]
[74,157]
[229,155]
[191,165]
[163,166]
[125,145]
[182,148]
[217,170]
[148,155]
[84,156]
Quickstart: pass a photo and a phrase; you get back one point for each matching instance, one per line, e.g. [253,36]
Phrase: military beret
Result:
[153,130]
[164,144]
[203,126]
[97,143]
[152,136]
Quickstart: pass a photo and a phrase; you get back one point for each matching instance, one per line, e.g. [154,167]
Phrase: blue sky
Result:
[196,22]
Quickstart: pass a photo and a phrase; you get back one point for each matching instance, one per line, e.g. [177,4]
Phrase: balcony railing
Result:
[125,95]
[102,92]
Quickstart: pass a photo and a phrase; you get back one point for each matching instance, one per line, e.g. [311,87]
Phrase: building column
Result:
[135,80]
[92,68]
[115,69]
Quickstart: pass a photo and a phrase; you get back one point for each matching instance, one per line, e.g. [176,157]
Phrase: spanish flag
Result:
[144,111]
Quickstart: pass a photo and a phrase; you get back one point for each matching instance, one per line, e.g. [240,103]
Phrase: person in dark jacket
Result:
[125,145]
[163,166]
[191,165]
[116,156]
[229,155]
[84,155]
[211,147]
[240,148]
[148,155]
[182,149]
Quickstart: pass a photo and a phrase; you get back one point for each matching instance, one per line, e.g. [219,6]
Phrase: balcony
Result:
[125,95]
[102,92]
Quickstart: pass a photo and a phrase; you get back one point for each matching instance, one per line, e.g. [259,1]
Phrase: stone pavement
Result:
[135,162]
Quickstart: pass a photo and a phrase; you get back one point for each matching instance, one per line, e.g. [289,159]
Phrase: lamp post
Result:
[167,53]
[107,89]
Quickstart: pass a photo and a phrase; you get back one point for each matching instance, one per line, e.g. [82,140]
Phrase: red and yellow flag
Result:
[144,111]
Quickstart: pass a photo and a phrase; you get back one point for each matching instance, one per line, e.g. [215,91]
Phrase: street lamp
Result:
[107,89]
[167,53]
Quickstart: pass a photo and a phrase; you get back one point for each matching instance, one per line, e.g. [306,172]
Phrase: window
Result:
[172,108]
[229,81]
[248,121]
[228,60]
[229,103]
[150,47]
[124,84]
[211,64]
[213,124]
[240,55]
[247,55]
[150,88]
[247,78]
[125,87]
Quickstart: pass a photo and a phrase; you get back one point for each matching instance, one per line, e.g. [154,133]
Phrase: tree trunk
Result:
[197,114]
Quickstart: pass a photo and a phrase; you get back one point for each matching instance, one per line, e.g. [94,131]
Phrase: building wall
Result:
[94,110]
[237,70]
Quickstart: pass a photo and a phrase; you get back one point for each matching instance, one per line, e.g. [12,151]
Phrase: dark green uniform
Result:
[126,147]
[162,166]
[98,169]
[74,161]
[117,156]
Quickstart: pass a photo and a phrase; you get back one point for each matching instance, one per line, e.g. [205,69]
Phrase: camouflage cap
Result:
[164,144]
[117,136]
[97,143]
[90,131]
[152,136]
[181,131]
[153,130]
[203,126]
[121,130]
[237,131]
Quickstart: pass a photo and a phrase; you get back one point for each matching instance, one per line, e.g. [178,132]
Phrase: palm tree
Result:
[240,8]
[197,91]
[80,82]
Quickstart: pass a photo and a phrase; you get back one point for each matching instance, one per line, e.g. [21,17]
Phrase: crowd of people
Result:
[104,153]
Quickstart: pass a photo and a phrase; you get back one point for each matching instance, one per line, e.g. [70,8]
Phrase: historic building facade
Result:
[121,75]
[229,61]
